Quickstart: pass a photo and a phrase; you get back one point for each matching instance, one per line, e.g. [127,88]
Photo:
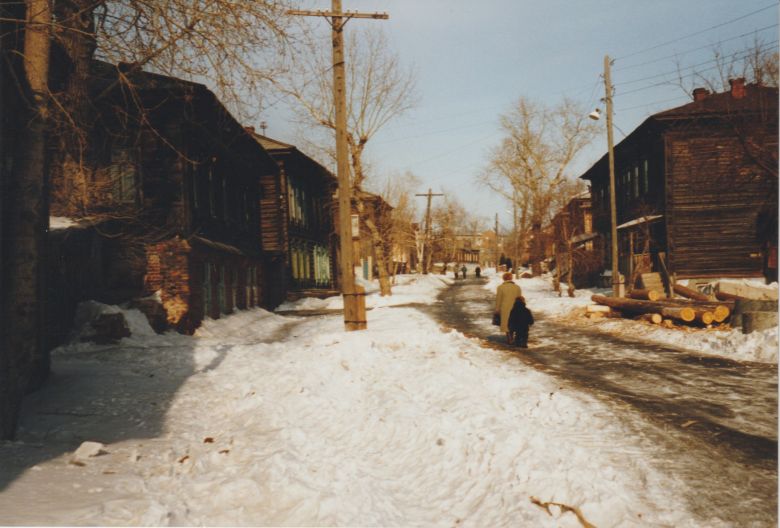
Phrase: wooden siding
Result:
[272,213]
[715,194]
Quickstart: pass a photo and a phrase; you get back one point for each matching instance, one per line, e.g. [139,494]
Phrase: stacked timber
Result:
[686,311]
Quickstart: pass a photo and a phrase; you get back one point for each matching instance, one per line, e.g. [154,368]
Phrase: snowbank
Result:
[730,343]
[408,289]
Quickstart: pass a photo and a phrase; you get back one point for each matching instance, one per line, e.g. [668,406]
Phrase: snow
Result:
[61,222]
[272,420]
[759,346]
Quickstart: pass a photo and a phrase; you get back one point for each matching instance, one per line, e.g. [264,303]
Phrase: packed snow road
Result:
[715,419]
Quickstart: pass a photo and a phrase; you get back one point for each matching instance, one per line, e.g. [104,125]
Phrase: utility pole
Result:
[354,296]
[616,283]
[427,244]
[496,252]
[516,259]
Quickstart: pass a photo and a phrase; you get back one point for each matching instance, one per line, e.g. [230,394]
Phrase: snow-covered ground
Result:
[726,342]
[273,420]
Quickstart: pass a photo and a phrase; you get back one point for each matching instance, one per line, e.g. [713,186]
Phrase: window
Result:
[636,181]
[212,189]
[206,289]
[122,173]
[225,202]
[645,177]
[221,291]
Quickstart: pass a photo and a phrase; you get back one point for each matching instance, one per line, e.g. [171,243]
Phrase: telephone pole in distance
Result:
[427,246]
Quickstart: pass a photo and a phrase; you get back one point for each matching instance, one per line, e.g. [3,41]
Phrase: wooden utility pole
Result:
[354,296]
[496,251]
[427,244]
[516,260]
[616,283]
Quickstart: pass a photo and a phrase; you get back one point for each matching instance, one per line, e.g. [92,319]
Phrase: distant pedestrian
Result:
[455,270]
[520,320]
[505,301]
[463,270]
[478,271]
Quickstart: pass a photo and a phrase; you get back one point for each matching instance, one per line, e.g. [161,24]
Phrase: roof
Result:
[756,99]
[276,147]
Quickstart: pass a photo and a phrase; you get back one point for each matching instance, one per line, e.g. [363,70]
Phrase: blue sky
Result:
[473,59]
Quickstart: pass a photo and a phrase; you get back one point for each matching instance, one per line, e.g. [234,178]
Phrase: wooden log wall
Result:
[715,193]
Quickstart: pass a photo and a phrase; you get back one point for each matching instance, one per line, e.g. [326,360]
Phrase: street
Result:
[713,420]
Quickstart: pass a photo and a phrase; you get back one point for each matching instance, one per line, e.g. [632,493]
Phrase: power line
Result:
[715,60]
[637,65]
[774,4]
[655,85]
[653,103]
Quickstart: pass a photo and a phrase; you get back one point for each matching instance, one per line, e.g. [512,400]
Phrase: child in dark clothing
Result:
[520,319]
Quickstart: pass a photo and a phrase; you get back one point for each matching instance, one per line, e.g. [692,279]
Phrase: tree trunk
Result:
[570,273]
[26,362]
[689,293]
[682,313]
[379,250]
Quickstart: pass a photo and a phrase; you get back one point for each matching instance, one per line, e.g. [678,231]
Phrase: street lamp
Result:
[595,115]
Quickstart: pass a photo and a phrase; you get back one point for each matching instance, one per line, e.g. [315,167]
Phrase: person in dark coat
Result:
[520,319]
[478,271]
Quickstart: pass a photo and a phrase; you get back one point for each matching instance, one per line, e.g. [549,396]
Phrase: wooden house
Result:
[575,242]
[170,185]
[696,188]
[298,237]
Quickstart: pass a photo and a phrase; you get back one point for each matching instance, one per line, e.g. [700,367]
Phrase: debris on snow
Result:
[88,450]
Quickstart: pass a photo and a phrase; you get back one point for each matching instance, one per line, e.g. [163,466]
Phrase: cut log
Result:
[647,295]
[689,293]
[591,308]
[723,296]
[721,313]
[668,323]
[704,317]
[652,318]
[681,313]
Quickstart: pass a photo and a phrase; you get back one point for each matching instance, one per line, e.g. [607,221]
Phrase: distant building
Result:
[298,234]
[696,188]
[578,246]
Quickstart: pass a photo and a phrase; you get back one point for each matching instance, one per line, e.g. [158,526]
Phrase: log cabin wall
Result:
[716,194]
[177,190]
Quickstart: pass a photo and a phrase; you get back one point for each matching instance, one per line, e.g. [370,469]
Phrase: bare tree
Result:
[756,63]
[401,229]
[529,166]
[379,89]
[223,42]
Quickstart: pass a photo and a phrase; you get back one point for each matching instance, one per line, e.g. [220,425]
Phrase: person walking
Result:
[463,270]
[478,271]
[506,294]
[520,320]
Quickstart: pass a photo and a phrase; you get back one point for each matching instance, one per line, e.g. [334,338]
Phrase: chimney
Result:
[250,129]
[737,87]
[700,94]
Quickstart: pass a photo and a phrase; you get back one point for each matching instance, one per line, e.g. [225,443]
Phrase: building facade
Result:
[696,188]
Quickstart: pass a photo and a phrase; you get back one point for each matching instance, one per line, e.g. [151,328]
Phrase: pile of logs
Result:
[694,309]
[741,305]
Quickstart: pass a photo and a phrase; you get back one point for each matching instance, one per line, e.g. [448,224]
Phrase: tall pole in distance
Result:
[612,200]
[354,299]
[516,260]
[496,252]
[427,241]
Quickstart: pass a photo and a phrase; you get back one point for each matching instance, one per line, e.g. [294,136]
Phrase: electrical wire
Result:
[774,4]
[710,46]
